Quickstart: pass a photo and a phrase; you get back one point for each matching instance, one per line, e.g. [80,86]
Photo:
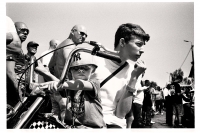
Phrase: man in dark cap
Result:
[30,57]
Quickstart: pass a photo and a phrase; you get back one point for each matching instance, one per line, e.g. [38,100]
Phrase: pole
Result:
[192,49]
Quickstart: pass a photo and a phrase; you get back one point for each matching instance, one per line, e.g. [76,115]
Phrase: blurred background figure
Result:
[159,100]
[46,59]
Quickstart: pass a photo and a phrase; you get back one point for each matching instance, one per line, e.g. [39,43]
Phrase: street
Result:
[160,121]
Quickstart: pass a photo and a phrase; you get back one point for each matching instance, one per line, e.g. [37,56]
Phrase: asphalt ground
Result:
[160,121]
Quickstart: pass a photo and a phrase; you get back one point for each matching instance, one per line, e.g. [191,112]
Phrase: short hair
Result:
[168,86]
[158,88]
[147,82]
[180,78]
[127,30]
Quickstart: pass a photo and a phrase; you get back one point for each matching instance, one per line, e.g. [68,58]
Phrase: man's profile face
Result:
[134,48]
[79,35]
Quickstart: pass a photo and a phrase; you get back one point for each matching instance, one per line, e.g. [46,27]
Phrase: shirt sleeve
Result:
[96,89]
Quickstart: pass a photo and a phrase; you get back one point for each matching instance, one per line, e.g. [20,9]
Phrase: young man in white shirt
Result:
[117,94]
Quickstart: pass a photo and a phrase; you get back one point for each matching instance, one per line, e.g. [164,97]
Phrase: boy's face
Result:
[134,48]
[82,72]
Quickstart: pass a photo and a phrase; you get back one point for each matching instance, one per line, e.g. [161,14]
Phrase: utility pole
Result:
[192,69]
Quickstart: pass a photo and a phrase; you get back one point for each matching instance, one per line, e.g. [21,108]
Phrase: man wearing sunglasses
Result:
[13,51]
[22,30]
[77,36]
[15,63]
[20,66]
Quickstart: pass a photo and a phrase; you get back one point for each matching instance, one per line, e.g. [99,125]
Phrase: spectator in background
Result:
[13,52]
[168,105]
[46,59]
[146,108]
[77,36]
[159,100]
[153,96]
[30,57]
[186,104]
[177,102]
[21,63]
[165,93]
[22,30]
[137,105]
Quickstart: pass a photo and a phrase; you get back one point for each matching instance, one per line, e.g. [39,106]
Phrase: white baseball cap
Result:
[82,58]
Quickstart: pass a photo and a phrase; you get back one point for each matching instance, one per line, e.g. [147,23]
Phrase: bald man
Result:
[22,30]
[77,36]
[13,49]
[46,59]
[14,59]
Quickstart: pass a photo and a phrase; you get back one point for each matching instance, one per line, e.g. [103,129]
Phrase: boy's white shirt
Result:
[109,90]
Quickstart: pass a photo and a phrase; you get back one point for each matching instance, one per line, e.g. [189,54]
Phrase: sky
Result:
[167,23]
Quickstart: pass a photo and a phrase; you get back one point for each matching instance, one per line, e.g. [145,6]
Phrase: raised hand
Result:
[140,68]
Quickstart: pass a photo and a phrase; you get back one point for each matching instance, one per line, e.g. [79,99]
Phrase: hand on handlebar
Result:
[53,86]
[42,88]
[35,87]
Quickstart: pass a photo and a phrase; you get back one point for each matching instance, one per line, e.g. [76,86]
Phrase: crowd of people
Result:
[105,93]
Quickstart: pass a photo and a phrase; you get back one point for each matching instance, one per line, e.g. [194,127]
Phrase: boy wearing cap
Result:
[84,93]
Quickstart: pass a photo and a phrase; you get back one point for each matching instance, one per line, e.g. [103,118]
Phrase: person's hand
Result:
[140,68]
[52,88]
[35,87]
[40,69]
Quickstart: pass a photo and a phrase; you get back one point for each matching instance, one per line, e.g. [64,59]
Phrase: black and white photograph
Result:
[100,65]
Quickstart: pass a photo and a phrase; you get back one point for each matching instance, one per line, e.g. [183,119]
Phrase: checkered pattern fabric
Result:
[43,125]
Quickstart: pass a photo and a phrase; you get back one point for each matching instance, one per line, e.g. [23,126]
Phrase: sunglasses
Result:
[24,30]
[81,33]
[76,68]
